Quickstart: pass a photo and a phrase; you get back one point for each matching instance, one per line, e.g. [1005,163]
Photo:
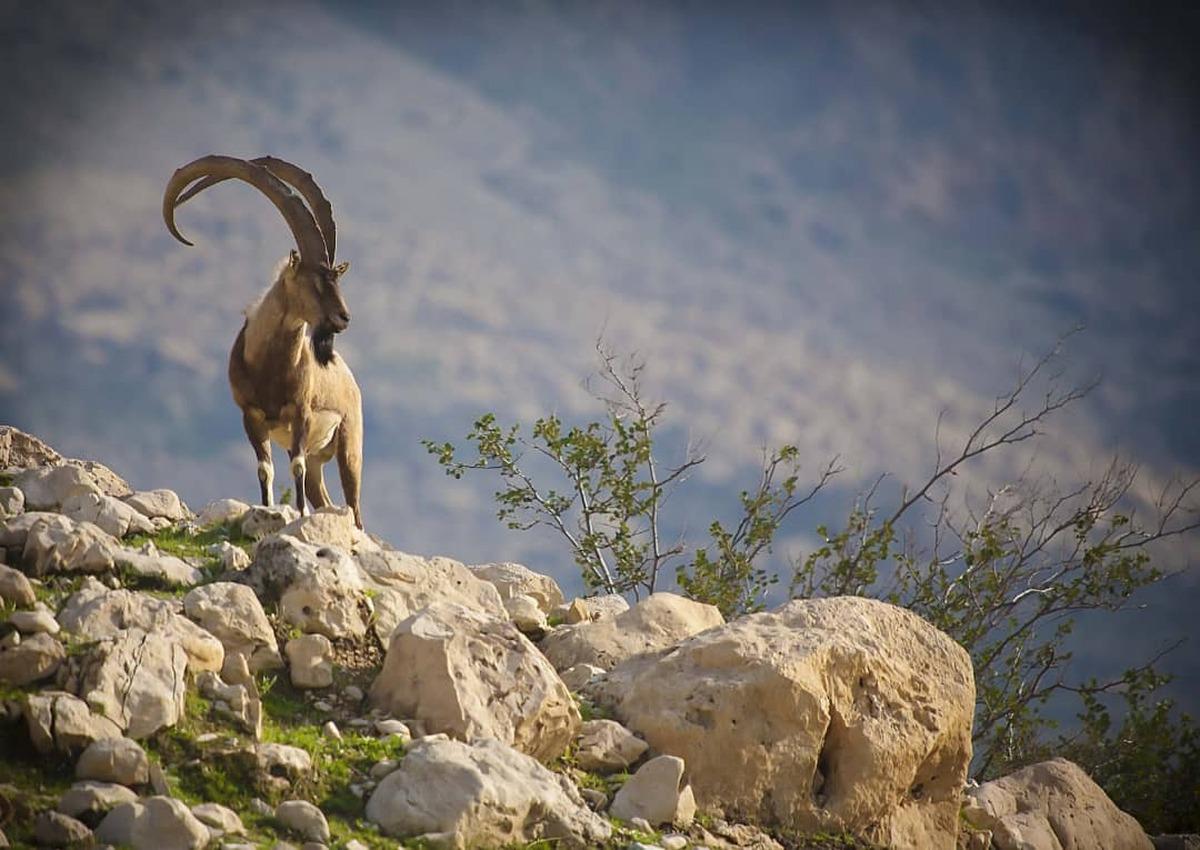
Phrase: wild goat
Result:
[290,384]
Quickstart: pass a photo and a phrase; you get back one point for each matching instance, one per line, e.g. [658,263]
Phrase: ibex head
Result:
[311,279]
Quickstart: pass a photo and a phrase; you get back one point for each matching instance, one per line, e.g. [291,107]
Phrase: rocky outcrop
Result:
[842,714]
[466,674]
[57,544]
[513,580]
[48,488]
[482,794]
[403,584]
[1052,805]
[331,526]
[659,621]
[112,515]
[61,722]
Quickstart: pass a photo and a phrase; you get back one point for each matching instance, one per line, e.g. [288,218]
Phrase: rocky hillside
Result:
[244,677]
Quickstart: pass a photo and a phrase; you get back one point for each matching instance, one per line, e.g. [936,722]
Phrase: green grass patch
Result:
[30,782]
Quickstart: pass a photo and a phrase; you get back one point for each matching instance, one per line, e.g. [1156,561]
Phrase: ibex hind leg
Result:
[314,483]
[260,441]
[349,459]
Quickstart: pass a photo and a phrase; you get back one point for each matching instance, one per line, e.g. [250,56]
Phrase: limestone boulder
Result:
[331,526]
[19,450]
[95,612]
[217,817]
[1053,805]
[518,580]
[15,588]
[481,794]
[233,558]
[155,504]
[137,679]
[35,658]
[59,544]
[469,675]
[61,722]
[90,801]
[112,515]
[403,584]
[319,588]
[39,620]
[54,829]
[605,746]
[659,621]
[656,793]
[526,615]
[261,520]
[15,530]
[117,827]
[829,714]
[47,488]
[304,819]
[222,512]
[120,760]
[232,613]
[310,661]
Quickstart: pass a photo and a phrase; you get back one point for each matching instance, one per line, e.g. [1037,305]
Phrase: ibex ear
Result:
[294,259]
[341,268]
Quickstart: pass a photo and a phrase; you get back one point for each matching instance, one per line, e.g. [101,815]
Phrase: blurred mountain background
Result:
[820,223]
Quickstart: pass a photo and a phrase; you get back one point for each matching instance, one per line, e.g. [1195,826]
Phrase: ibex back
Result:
[290,384]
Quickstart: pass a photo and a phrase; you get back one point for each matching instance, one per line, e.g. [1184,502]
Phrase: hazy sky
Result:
[820,223]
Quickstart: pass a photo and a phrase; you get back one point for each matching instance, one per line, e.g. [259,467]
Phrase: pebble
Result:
[331,730]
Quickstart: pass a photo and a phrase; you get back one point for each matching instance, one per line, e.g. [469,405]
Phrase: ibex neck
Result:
[273,332]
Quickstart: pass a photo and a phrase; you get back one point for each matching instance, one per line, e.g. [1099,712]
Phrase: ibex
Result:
[290,384]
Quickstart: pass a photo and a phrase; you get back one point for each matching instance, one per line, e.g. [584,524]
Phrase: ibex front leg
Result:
[260,439]
[299,463]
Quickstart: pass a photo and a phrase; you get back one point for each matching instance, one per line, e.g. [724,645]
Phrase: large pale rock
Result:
[482,794]
[61,722]
[221,512]
[19,450]
[659,621]
[462,672]
[120,760]
[33,659]
[165,823]
[12,502]
[117,827]
[1053,805]
[15,530]
[54,829]
[515,579]
[656,793]
[830,714]
[232,613]
[158,503]
[283,760]
[137,679]
[148,562]
[319,588]
[218,817]
[605,746]
[61,545]
[526,614]
[112,515]
[15,588]
[47,488]
[404,584]
[38,621]
[95,612]
[310,661]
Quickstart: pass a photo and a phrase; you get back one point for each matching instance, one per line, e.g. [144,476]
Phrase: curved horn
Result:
[295,213]
[298,178]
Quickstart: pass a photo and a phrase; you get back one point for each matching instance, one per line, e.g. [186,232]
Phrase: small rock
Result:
[39,621]
[261,520]
[54,829]
[261,807]
[331,730]
[655,793]
[154,504]
[233,614]
[33,659]
[167,824]
[355,844]
[62,722]
[12,502]
[47,488]
[310,661]
[606,746]
[353,693]
[119,760]
[304,819]
[15,588]
[591,608]
[90,801]
[222,511]
[382,768]
[219,817]
[579,675]
[641,825]
[525,613]
[387,728]
[233,558]
[674,841]
[595,798]
[283,760]
[112,515]
[638,845]
[158,780]
[117,826]
[148,562]
[323,706]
